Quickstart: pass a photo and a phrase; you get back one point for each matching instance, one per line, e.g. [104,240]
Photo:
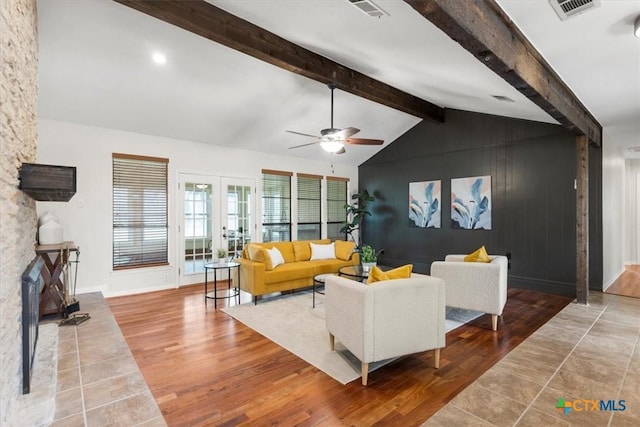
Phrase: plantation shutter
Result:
[140,211]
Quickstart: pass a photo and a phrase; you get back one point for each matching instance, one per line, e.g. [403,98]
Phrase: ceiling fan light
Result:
[331,146]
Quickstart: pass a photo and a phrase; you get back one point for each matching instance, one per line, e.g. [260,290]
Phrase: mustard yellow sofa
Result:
[259,277]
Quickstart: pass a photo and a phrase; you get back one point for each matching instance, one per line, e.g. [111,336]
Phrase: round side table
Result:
[318,281]
[231,292]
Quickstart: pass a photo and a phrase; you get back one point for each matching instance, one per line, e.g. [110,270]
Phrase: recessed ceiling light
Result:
[159,58]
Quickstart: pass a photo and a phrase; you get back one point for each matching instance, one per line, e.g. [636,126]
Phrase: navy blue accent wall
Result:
[532,167]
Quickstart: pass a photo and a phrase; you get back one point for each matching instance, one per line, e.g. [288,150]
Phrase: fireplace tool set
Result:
[70,304]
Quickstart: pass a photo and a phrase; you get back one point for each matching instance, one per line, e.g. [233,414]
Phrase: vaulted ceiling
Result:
[96,69]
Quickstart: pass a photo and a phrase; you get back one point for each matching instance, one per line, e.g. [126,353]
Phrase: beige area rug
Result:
[293,324]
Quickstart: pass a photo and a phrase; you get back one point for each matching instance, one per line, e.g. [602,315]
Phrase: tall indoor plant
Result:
[356,212]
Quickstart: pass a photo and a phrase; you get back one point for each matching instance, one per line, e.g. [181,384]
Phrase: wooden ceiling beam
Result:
[483,29]
[213,23]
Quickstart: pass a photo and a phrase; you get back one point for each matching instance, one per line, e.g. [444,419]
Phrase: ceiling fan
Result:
[333,140]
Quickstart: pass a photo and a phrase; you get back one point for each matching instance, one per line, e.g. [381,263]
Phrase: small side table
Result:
[318,280]
[55,293]
[231,292]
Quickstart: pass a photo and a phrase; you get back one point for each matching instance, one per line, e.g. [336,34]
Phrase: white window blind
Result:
[309,206]
[140,211]
[336,212]
[276,206]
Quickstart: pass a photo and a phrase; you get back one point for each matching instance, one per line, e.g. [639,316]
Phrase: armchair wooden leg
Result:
[437,358]
[494,322]
[332,342]
[364,368]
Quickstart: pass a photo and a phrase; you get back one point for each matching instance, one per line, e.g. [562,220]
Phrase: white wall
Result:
[630,206]
[86,218]
[615,211]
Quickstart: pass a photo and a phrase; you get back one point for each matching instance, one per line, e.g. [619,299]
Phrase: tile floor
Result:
[99,382]
[585,352]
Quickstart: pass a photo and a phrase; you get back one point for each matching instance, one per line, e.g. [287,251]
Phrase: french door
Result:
[218,220]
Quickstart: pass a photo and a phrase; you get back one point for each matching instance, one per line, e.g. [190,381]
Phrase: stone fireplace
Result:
[18,91]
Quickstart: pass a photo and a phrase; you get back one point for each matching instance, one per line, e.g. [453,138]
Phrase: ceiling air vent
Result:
[368,7]
[569,8]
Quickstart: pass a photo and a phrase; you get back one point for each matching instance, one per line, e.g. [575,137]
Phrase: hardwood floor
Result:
[205,368]
[628,284]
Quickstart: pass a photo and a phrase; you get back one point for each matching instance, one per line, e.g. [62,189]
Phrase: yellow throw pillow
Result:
[302,250]
[259,254]
[479,255]
[377,275]
[344,249]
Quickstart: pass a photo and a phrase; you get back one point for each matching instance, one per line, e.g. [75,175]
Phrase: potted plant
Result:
[356,212]
[368,257]
[222,254]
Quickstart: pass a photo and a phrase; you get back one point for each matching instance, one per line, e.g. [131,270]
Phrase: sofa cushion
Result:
[276,257]
[323,266]
[344,249]
[479,255]
[377,275]
[285,248]
[322,251]
[259,253]
[301,250]
[290,271]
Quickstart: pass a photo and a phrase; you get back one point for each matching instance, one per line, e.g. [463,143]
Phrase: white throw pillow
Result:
[276,257]
[322,251]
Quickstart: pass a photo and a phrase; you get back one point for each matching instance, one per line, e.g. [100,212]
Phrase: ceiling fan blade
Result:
[346,133]
[304,145]
[303,134]
[363,141]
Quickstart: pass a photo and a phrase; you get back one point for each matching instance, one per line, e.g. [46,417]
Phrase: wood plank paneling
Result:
[533,168]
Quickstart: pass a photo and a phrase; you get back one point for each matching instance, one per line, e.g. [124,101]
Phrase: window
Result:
[336,213]
[309,226]
[140,214]
[239,221]
[276,206]
[197,210]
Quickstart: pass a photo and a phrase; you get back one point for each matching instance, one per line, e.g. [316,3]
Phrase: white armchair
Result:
[386,319]
[475,285]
